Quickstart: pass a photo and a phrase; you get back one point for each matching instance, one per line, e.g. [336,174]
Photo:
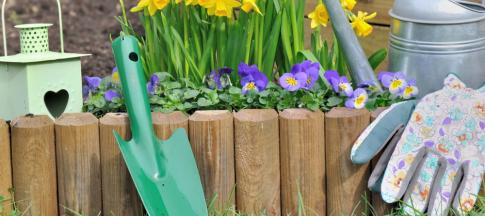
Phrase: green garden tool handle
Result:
[136,98]
[356,58]
[61,35]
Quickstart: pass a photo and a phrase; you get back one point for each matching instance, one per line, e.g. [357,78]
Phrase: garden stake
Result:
[164,172]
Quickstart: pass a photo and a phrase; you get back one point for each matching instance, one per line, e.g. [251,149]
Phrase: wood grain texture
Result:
[380,207]
[78,164]
[119,193]
[257,161]
[34,165]
[302,156]
[5,164]
[166,123]
[346,182]
[212,138]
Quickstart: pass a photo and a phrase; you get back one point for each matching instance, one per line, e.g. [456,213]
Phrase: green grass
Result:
[364,204]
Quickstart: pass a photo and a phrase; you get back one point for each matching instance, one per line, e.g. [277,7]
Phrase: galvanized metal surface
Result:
[432,38]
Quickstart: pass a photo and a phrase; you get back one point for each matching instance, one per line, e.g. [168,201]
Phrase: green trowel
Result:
[164,172]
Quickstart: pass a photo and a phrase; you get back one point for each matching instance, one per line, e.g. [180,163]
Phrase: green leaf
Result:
[202,102]
[189,94]
[377,58]
[334,101]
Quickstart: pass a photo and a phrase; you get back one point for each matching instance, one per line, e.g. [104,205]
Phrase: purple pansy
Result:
[395,82]
[252,78]
[358,100]
[92,82]
[245,70]
[410,90]
[153,84]
[85,92]
[219,78]
[340,84]
[293,82]
[482,125]
[310,69]
[110,95]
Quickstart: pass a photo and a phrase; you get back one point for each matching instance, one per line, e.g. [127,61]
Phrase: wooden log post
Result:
[257,161]
[166,123]
[119,193]
[302,155]
[34,165]
[380,207]
[212,138]
[5,166]
[346,182]
[78,164]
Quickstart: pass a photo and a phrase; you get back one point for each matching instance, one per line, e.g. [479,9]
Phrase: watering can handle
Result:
[61,35]
[359,65]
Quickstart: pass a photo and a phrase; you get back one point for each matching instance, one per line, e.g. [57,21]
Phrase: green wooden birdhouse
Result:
[38,81]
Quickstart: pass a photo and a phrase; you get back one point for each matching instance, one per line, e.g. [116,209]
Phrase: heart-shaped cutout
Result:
[56,102]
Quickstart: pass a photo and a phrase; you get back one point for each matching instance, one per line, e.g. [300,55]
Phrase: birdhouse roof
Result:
[39,57]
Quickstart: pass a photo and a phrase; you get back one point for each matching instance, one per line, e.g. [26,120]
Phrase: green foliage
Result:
[183,95]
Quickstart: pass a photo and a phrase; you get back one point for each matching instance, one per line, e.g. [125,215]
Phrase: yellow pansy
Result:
[362,28]
[115,77]
[319,16]
[250,5]
[223,8]
[152,5]
[348,4]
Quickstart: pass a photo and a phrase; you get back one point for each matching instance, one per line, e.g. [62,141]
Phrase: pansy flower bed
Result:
[302,87]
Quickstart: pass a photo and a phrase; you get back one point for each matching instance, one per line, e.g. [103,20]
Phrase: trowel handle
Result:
[61,35]
[356,58]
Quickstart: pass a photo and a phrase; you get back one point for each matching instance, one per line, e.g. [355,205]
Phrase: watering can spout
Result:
[361,70]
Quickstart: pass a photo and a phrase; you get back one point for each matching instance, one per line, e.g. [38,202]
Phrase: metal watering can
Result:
[432,38]
[429,39]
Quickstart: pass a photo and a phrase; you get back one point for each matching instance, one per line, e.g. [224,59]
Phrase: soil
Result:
[88,25]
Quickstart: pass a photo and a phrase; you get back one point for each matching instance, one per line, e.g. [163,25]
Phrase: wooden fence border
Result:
[266,153]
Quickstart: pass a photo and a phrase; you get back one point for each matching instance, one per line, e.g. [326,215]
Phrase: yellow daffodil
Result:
[319,16]
[191,2]
[250,5]
[348,4]
[222,8]
[152,5]
[362,28]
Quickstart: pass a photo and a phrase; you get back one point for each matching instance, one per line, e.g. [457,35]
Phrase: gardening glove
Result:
[416,151]
[383,133]
[439,159]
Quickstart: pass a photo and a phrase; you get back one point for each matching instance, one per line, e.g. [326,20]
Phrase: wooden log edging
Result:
[302,155]
[257,156]
[34,165]
[78,164]
[346,182]
[212,138]
[269,155]
[119,193]
[5,165]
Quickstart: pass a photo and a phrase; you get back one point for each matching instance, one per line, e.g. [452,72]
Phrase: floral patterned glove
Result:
[437,159]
